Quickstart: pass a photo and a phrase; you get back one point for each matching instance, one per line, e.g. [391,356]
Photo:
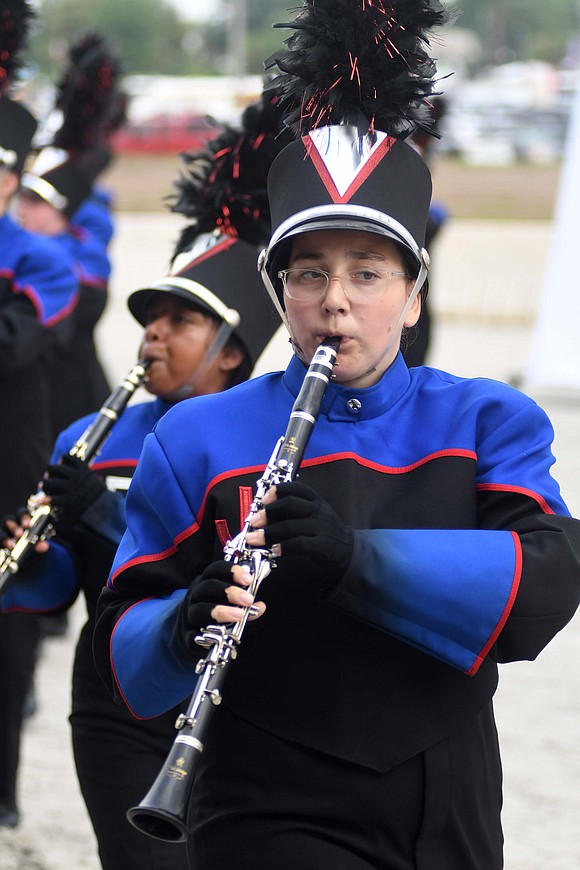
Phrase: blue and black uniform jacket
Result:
[465,556]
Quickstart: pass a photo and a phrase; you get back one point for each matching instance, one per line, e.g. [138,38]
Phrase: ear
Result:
[413,312]
[231,356]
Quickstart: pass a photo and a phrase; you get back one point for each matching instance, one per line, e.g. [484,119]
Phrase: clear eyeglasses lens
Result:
[313,283]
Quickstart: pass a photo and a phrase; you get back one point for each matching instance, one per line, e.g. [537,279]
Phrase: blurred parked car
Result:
[163,134]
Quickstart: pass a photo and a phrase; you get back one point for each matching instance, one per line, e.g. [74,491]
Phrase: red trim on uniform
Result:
[114,672]
[64,312]
[246,498]
[95,281]
[140,560]
[327,179]
[114,463]
[389,469]
[507,609]
[32,296]
[223,532]
[259,469]
[520,490]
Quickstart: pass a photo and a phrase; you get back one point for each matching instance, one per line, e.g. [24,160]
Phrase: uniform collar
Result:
[350,405]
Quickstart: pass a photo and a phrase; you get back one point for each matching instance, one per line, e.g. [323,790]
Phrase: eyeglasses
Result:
[308,284]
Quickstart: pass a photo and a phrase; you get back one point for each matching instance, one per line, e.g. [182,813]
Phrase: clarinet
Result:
[43,516]
[162,813]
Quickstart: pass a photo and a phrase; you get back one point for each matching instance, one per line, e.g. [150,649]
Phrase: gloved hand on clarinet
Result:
[217,595]
[296,521]
[72,488]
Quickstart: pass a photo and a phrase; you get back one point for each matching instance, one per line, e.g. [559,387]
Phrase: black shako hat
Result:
[224,194]
[73,142]
[64,180]
[354,83]
[336,178]
[17,127]
[218,274]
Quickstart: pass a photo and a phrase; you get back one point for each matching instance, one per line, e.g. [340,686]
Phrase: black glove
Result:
[194,614]
[72,488]
[306,525]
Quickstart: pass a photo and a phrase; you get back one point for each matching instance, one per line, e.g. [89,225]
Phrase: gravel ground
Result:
[537,705]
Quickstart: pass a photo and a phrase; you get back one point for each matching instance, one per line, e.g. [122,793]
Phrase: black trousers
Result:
[117,759]
[19,641]
[262,802]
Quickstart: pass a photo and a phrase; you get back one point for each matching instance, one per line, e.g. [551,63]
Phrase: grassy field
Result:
[519,192]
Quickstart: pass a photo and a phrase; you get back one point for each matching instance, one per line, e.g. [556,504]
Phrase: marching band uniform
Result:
[88,107]
[38,293]
[114,756]
[65,185]
[117,756]
[95,216]
[425,542]
[439,512]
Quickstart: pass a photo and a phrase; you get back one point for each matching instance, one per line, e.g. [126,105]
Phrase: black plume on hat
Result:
[358,61]
[89,106]
[355,79]
[88,95]
[223,193]
[225,185]
[17,125]
[15,19]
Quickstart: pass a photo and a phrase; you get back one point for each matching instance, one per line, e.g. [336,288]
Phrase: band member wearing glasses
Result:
[424,542]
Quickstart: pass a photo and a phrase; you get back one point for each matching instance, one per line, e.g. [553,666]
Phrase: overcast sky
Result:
[196,10]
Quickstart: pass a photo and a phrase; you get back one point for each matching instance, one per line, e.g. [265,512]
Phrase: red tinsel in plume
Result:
[88,95]
[350,61]
[15,18]
[224,186]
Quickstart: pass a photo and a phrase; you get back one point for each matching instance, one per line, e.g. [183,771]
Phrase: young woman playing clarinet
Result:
[425,542]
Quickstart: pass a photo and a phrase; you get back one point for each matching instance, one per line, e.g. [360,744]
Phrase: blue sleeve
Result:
[448,593]
[148,581]
[48,582]
[504,589]
[46,276]
[149,677]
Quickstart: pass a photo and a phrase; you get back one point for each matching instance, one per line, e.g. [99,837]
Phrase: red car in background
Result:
[164,134]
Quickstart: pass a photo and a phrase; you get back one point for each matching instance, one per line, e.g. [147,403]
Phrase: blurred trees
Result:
[151,37]
[148,34]
[520,29]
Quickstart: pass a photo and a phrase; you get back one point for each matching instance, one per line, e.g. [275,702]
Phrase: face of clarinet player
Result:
[39,216]
[368,325]
[177,338]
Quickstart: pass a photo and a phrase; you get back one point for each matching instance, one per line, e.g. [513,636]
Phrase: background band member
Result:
[38,292]
[205,325]
[57,186]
